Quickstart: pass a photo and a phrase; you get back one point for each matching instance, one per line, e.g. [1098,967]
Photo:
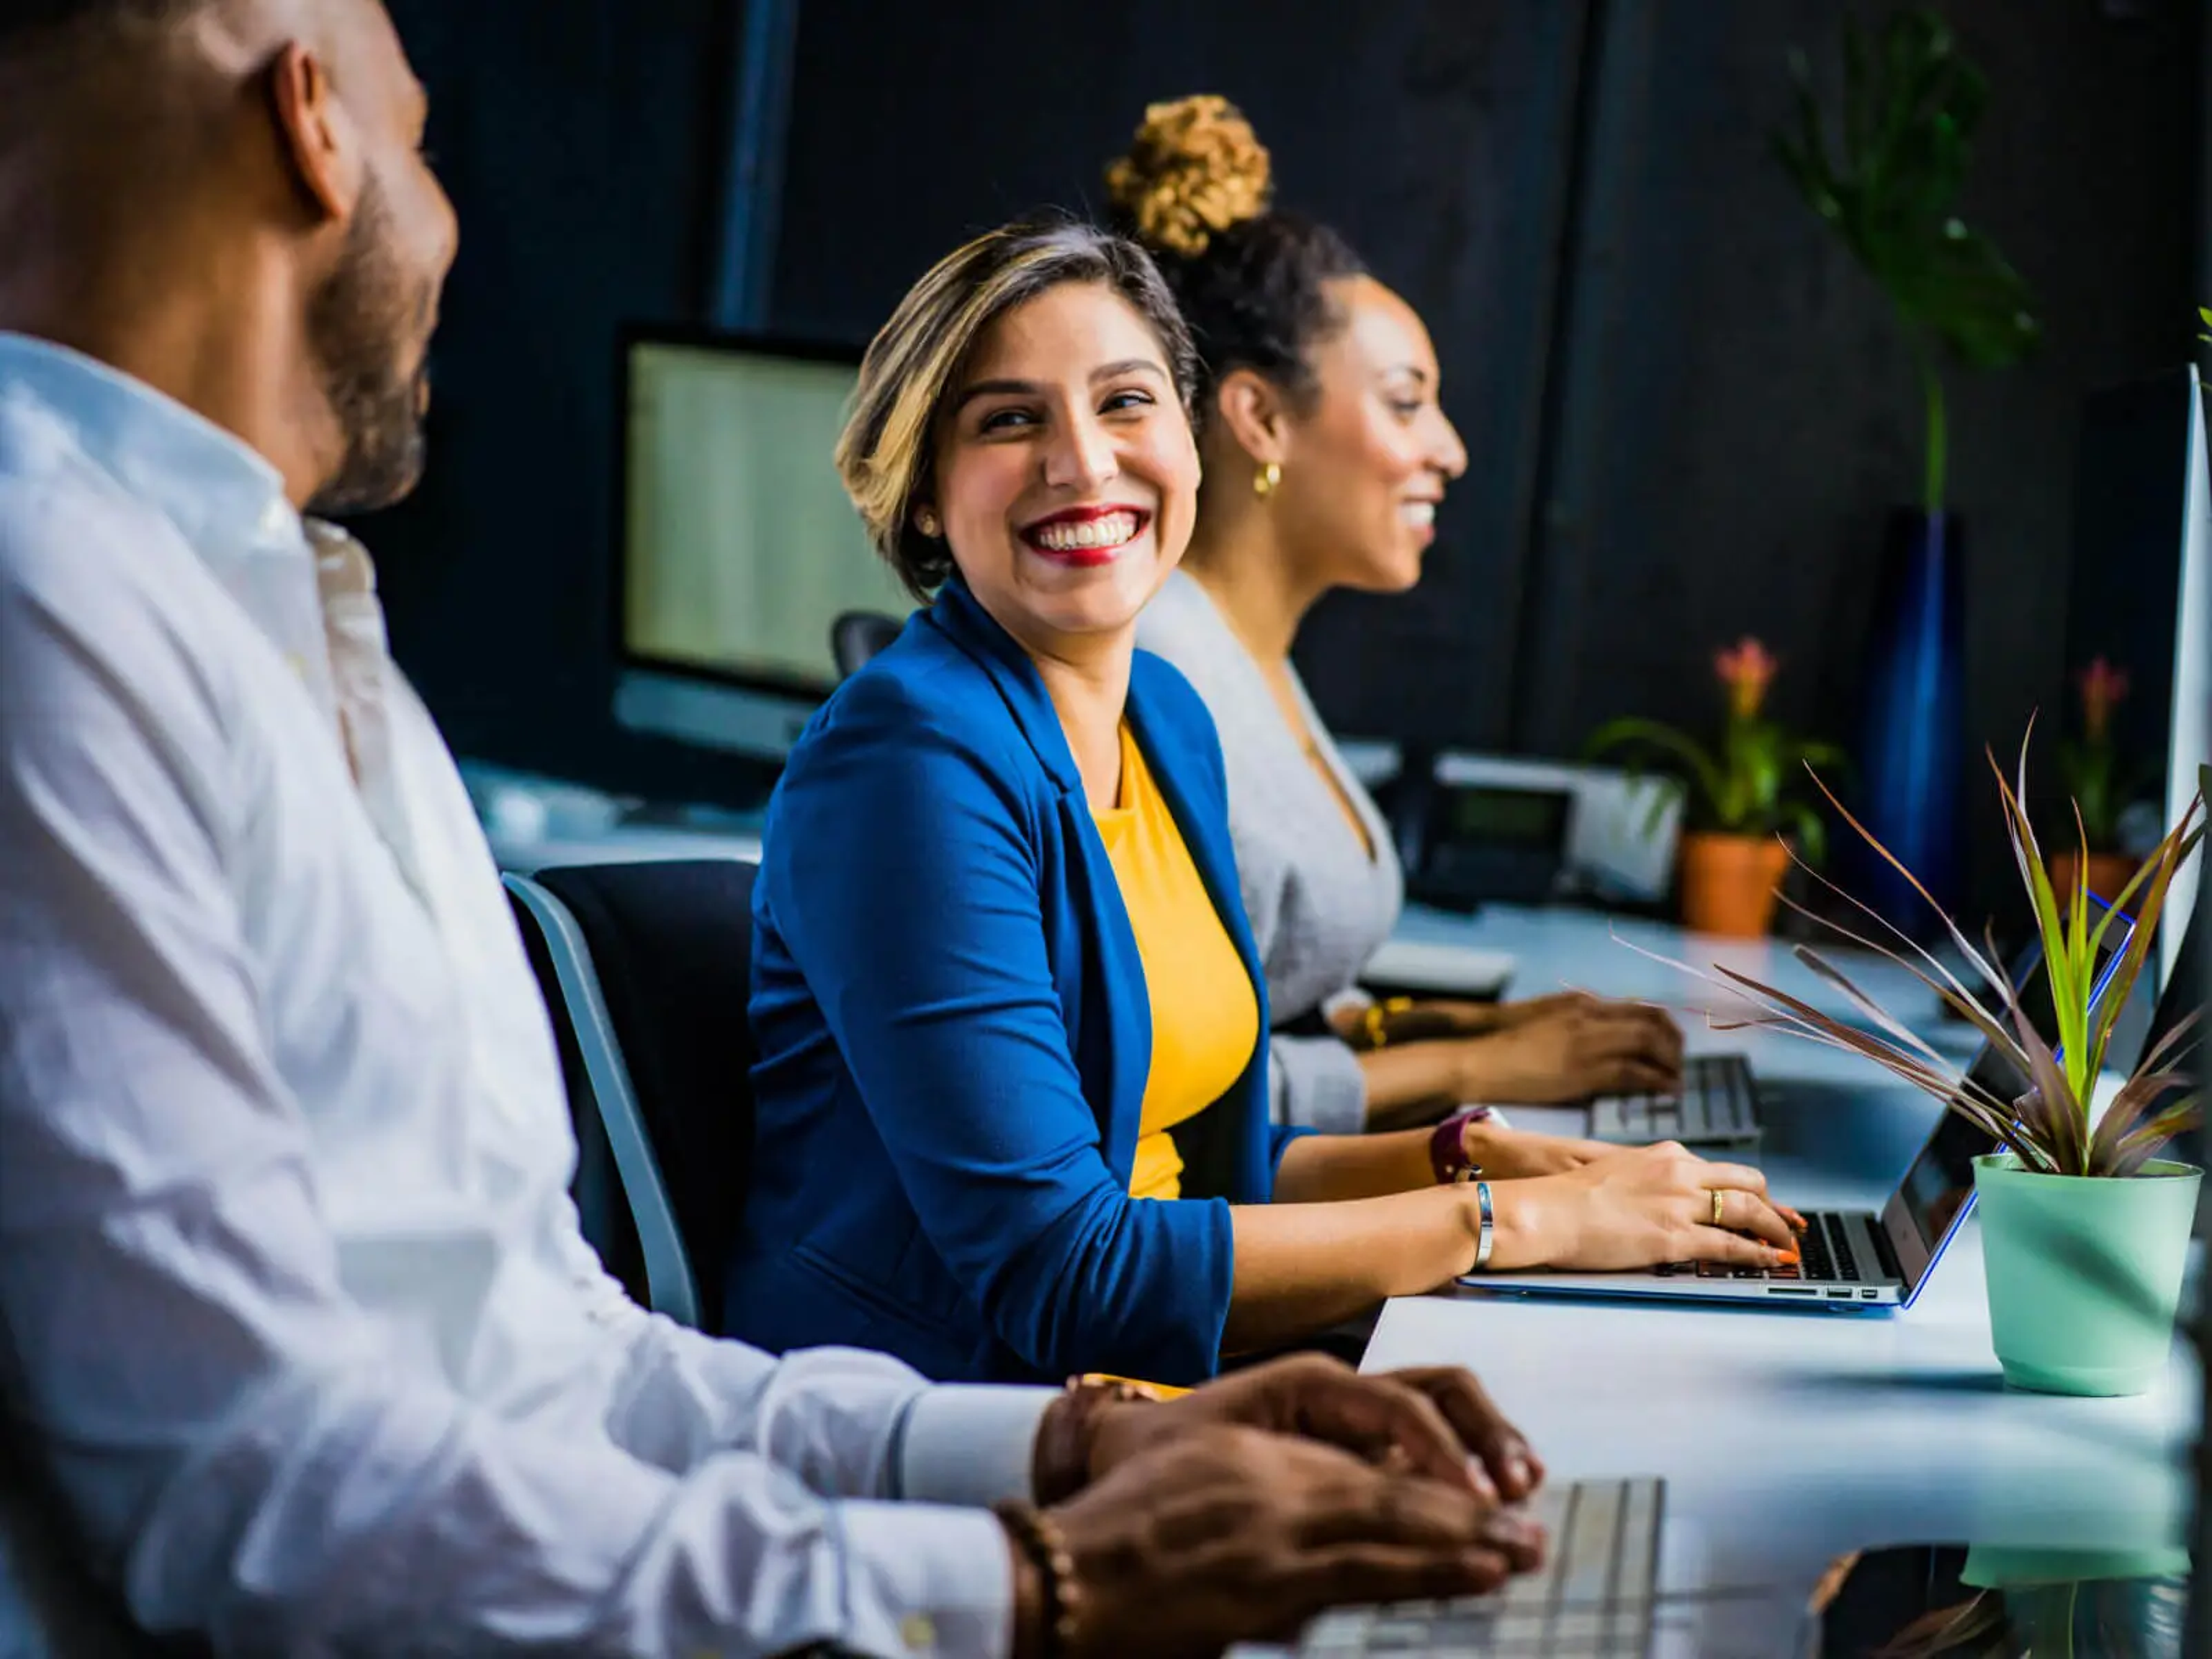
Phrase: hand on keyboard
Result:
[1640,1207]
[1434,1420]
[1505,1154]
[1236,1536]
[1569,1048]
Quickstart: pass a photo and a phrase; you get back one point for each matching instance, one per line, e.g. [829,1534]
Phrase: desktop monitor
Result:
[2142,584]
[736,547]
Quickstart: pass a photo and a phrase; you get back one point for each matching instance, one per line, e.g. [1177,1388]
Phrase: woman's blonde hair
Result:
[885,454]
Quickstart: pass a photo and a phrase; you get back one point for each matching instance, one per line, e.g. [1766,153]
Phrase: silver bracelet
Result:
[1485,1236]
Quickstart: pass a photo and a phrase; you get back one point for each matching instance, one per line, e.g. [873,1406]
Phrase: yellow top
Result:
[1206,1020]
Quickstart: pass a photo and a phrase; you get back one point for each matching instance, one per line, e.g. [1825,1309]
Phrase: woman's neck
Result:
[1253,583]
[1089,692]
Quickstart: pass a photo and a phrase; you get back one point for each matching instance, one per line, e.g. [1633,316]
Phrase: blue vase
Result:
[1910,756]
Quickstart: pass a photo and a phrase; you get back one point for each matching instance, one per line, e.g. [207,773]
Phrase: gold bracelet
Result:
[1375,1019]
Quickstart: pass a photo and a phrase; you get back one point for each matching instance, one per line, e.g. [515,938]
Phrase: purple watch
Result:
[1448,1146]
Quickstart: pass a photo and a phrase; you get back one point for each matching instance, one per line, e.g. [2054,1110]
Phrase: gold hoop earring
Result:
[1265,480]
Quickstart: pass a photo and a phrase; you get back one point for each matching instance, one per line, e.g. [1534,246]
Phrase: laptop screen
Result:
[1940,1182]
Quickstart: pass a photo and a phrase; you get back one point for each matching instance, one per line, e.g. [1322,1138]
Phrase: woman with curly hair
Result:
[1326,454]
[1011,1095]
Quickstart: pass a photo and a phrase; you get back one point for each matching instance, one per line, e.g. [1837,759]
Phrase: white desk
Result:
[1790,1437]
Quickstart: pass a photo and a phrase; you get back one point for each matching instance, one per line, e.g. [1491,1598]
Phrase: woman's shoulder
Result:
[1181,625]
[922,715]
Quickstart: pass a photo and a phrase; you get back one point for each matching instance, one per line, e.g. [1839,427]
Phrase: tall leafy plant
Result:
[1889,188]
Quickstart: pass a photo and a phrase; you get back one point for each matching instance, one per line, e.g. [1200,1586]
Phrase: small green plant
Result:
[2050,1126]
[1910,107]
[1740,789]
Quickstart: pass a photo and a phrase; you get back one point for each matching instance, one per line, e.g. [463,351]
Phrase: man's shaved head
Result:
[228,199]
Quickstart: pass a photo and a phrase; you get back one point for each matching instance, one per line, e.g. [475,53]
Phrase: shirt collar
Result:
[224,497]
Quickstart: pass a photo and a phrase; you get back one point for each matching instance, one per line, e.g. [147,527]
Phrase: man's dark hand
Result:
[1436,1422]
[1219,1533]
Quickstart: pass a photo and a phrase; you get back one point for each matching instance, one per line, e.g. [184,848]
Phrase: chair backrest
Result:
[857,636]
[649,966]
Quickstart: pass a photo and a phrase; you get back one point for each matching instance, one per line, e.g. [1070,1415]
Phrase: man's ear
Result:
[315,135]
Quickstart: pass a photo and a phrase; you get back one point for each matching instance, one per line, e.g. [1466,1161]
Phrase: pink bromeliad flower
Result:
[2102,688]
[1747,669]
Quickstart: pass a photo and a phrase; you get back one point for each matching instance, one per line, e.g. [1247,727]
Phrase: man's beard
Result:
[359,327]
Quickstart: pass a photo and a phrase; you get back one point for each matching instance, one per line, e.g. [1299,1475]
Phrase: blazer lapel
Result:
[1110,1023]
[1205,834]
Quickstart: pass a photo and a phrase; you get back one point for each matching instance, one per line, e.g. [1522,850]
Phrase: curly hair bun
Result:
[1195,170]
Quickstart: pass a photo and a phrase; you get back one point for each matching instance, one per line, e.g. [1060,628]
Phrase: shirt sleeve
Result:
[840,1420]
[241,1447]
[924,947]
[1315,1083]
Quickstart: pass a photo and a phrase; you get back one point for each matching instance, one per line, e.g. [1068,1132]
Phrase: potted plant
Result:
[2090,763]
[2085,1230]
[1889,189]
[1733,857]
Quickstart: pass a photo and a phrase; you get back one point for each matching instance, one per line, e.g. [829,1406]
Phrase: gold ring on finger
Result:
[1720,1203]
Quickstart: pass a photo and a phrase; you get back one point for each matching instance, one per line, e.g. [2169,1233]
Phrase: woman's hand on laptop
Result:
[1639,1207]
[1508,1154]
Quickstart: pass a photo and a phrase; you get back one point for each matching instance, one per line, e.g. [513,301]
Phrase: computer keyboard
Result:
[1825,1247]
[1596,1595]
[1716,1104]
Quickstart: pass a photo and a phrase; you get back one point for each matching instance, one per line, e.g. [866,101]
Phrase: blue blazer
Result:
[955,1034]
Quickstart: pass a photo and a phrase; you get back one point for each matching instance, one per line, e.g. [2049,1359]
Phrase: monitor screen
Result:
[739,548]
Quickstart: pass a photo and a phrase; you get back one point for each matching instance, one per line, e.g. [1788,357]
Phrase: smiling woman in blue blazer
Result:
[1003,982]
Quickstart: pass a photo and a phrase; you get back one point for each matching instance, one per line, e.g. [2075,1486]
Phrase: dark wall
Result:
[581,140]
[1435,134]
[1727,465]
[1687,411]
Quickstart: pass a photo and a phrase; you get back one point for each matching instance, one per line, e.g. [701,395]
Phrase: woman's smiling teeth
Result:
[1109,530]
[1421,515]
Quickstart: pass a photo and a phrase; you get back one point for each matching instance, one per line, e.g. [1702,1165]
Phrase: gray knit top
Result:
[1320,904]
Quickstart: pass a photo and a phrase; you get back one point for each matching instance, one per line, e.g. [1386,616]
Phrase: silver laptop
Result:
[1852,1259]
[1596,1596]
[1716,1105]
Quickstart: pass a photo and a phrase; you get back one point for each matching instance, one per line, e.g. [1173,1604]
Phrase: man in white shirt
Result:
[294,1313]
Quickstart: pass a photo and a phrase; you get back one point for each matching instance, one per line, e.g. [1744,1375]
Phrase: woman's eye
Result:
[1406,408]
[1005,419]
[1126,400]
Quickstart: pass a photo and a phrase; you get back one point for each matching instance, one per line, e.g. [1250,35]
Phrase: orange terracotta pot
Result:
[1729,883]
[2108,873]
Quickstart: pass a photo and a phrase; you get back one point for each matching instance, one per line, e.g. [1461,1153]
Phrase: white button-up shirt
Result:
[293,1300]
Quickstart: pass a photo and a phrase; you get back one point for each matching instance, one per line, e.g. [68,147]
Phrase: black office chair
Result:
[647,970]
[857,636]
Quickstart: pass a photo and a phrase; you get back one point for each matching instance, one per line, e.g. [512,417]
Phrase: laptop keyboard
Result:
[1829,1258]
[1716,1103]
[1595,1597]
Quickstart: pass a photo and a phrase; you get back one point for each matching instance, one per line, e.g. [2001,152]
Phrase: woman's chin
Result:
[1099,598]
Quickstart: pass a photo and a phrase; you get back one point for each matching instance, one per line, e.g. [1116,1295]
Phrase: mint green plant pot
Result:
[2084,1274]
